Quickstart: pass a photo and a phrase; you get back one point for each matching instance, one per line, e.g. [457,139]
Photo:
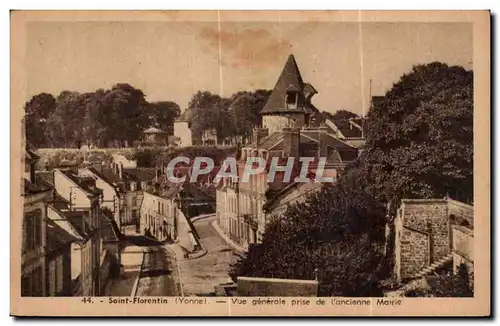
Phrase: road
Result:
[158,275]
[201,275]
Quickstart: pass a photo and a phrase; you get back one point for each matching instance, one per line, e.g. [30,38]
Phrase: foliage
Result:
[38,110]
[454,285]
[419,142]
[449,285]
[231,117]
[419,145]
[104,118]
[331,231]
[146,157]
[339,115]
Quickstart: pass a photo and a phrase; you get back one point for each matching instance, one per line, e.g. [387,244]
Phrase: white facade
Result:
[276,123]
[124,162]
[110,199]
[158,217]
[183,133]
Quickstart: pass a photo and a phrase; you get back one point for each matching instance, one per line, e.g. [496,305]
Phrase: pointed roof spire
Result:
[290,79]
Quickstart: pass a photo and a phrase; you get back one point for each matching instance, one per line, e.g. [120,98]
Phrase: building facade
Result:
[289,131]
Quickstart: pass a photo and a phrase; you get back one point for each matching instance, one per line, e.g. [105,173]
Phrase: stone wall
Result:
[430,216]
[255,287]
[461,210]
[414,252]
[424,232]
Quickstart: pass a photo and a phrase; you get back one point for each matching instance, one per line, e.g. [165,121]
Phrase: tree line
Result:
[105,118]
[117,117]
[233,118]
[419,145]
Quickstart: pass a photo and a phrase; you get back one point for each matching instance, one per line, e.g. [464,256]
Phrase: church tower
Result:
[289,105]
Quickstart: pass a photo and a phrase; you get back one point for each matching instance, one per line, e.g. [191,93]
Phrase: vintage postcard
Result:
[250,163]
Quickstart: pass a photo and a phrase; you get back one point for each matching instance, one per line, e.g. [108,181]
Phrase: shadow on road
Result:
[140,241]
[155,273]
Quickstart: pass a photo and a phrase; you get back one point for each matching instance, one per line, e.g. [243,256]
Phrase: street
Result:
[201,275]
[158,274]
[159,270]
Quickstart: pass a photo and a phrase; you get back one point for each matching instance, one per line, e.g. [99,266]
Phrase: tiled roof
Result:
[109,230]
[81,182]
[63,222]
[153,130]
[290,79]
[44,177]
[271,140]
[57,237]
[106,174]
[79,222]
[331,140]
[303,187]
[59,202]
[347,129]
[185,116]
[32,189]
[31,156]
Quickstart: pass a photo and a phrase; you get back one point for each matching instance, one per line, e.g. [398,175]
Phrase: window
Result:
[134,201]
[32,230]
[291,98]
[29,243]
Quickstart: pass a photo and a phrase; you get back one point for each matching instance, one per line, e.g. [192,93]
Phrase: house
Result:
[182,130]
[58,258]
[209,137]
[110,249]
[158,214]
[34,229]
[244,208]
[155,136]
[112,196]
[289,104]
[83,212]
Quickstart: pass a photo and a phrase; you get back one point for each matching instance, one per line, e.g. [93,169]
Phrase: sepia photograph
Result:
[277,160]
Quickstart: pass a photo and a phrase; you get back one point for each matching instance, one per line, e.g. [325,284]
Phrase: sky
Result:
[171,61]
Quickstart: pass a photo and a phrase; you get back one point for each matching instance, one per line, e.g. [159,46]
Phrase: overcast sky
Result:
[173,60]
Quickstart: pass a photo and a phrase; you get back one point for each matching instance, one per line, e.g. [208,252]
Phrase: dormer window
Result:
[291,97]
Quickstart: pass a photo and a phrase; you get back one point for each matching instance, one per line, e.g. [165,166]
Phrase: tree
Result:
[419,140]
[454,285]
[126,115]
[329,236]
[343,115]
[163,114]
[64,126]
[37,111]
[206,111]
[245,108]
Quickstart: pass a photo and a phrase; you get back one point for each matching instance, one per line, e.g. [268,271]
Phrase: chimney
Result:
[259,134]
[322,135]
[291,141]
